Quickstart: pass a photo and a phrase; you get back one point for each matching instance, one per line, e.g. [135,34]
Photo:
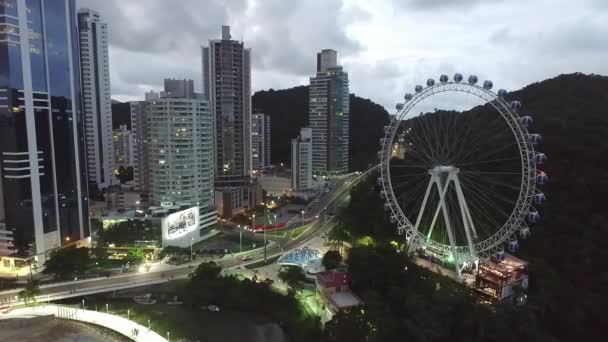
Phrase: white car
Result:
[213,308]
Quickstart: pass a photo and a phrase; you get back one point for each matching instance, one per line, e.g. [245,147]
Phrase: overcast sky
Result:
[387,46]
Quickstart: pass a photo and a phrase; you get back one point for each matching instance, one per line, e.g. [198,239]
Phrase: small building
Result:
[234,199]
[502,279]
[334,291]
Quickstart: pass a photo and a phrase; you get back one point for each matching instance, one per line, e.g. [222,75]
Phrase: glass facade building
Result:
[43,191]
[329,113]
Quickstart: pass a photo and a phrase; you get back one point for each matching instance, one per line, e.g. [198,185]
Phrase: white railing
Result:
[118,324]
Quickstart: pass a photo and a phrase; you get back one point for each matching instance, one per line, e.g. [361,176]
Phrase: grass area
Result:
[262,263]
[278,234]
[299,231]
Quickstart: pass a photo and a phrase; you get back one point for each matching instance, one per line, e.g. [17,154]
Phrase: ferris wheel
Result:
[461,186]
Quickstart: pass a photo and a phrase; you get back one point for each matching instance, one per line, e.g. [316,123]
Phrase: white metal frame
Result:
[515,222]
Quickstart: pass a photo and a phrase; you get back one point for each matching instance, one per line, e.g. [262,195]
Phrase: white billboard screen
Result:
[181,222]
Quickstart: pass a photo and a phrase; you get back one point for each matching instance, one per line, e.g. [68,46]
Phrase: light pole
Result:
[191,241]
[240,238]
[83,304]
[302,212]
[107,309]
[128,313]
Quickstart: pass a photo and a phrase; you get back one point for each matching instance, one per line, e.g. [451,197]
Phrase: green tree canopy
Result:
[331,259]
[293,276]
[67,263]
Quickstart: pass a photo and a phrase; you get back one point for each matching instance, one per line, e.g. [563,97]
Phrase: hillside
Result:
[121,114]
[568,249]
[288,109]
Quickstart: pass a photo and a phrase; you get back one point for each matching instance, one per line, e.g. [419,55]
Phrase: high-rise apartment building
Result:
[227,86]
[329,112]
[43,183]
[97,104]
[180,148]
[140,134]
[123,147]
[178,88]
[301,160]
[260,142]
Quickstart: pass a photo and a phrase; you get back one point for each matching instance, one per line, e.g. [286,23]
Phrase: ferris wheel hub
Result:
[443,169]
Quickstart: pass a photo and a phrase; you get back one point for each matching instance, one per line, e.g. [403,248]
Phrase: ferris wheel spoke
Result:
[493,181]
[488,161]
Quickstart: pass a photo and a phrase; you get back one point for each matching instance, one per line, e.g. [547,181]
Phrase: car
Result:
[213,308]
[316,216]
[246,257]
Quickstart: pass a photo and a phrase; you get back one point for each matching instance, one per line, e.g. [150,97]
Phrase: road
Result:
[161,272]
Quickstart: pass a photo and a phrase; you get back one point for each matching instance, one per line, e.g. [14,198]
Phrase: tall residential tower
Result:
[180,151]
[43,185]
[227,85]
[97,104]
[301,160]
[260,142]
[329,112]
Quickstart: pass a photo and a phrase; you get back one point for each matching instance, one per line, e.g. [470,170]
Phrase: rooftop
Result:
[344,299]
[333,278]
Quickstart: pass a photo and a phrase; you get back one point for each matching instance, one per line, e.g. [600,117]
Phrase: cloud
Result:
[386,46]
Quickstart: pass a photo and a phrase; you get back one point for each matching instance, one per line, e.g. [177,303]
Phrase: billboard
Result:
[182,222]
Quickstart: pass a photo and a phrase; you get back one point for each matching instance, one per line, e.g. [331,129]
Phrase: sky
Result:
[386,46]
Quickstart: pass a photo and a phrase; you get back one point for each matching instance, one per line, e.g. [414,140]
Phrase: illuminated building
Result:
[301,160]
[96,101]
[260,142]
[43,183]
[329,112]
[123,147]
[180,152]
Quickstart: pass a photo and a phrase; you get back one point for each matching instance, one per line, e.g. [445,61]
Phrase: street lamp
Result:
[128,313]
[240,238]
[83,304]
[191,241]
[253,216]
[107,309]
[302,212]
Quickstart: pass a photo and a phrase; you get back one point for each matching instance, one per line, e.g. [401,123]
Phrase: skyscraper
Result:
[260,142]
[181,152]
[139,131]
[123,147]
[329,112]
[97,104]
[43,185]
[227,86]
[301,160]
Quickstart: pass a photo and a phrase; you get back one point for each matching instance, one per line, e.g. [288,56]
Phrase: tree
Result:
[292,276]
[67,263]
[351,326]
[31,290]
[331,259]
[135,256]
[173,251]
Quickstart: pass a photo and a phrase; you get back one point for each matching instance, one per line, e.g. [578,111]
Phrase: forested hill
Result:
[288,109]
[568,251]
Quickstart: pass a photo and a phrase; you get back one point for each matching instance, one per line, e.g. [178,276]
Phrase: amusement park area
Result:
[462,188]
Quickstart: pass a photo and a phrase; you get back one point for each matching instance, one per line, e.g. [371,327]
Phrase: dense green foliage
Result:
[67,263]
[293,276]
[567,250]
[404,302]
[331,259]
[125,233]
[288,110]
[207,286]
